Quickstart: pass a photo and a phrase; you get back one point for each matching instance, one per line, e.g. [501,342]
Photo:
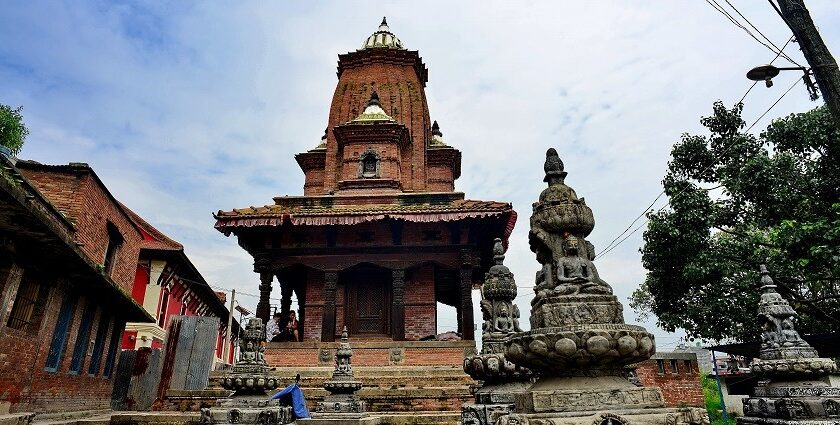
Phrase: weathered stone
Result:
[499,377]
[579,344]
[562,350]
[575,310]
[342,386]
[247,410]
[250,374]
[795,388]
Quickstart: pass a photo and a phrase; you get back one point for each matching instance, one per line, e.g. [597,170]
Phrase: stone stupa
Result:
[499,378]
[579,345]
[793,379]
[250,379]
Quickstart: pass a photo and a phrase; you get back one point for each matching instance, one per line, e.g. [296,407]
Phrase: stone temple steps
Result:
[385,388]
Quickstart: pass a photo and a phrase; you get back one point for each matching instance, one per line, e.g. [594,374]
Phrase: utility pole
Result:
[226,348]
[816,53]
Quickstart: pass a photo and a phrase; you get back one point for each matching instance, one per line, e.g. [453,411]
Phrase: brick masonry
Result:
[677,375]
[78,193]
[25,383]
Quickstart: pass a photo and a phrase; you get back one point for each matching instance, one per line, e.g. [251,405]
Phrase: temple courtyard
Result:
[366,288]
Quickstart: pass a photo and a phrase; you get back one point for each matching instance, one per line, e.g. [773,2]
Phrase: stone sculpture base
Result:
[812,402]
[659,416]
[255,409]
[341,403]
[601,400]
[492,401]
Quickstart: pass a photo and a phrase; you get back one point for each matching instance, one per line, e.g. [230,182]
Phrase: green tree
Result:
[737,201]
[12,130]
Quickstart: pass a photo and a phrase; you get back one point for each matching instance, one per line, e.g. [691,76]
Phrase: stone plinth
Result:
[247,410]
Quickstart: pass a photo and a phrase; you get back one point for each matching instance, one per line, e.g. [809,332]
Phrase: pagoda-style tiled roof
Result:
[333,210]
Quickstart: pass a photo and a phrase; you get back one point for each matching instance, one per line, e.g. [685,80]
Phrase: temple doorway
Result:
[369,301]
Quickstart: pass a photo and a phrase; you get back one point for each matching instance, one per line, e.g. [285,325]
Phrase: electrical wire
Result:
[735,22]
[726,149]
[649,207]
[771,63]
[780,51]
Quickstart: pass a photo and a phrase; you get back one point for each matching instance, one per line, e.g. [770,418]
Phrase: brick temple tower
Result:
[380,235]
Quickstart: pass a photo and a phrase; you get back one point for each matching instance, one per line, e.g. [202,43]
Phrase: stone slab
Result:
[660,416]
[17,418]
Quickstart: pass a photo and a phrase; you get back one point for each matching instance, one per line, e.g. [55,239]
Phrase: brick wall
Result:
[370,353]
[402,96]
[78,194]
[25,384]
[677,375]
[420,305]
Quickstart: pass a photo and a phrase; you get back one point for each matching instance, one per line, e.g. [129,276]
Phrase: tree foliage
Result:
[12,130]
[737,201]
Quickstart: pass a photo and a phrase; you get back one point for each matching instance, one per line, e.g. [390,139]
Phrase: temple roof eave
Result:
[337,210]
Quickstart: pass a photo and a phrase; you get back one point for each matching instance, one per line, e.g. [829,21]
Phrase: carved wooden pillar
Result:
[466,316]
[398,304]
[285,296]
[262,265]
[328,319]
[264,305]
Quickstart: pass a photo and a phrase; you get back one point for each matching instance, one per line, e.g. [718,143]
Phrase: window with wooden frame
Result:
[60,334]
[29,295]
[115,241]
[111,357]
[164,305]
[82,338]
[98,345]
[660,367]
[674,368]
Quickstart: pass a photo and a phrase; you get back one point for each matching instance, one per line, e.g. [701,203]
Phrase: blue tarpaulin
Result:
[293,396]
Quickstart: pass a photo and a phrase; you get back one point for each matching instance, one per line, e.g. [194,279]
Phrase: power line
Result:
[633,222]
[602,253]
[735,22]
[649,207]
[771,63]
[774,103]
[780,51]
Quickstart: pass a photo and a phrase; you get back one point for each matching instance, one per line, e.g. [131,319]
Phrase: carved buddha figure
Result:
[247,355]
[576,274]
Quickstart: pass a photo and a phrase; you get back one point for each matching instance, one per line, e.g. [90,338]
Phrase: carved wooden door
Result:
[369,305]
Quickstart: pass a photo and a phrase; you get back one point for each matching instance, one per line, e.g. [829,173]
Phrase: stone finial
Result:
[436,129]
[384,25]
[554,173]
[374,99]
[498,251]
[344,336]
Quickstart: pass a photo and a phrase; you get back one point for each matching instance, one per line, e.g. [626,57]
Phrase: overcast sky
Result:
[185,109]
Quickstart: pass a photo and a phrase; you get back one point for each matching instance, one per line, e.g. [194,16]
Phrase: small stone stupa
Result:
[250,374]
[579,344]
[499,378]
[342,386]
[250,379]
[793,386]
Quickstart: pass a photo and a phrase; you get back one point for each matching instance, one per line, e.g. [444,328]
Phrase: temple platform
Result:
[397,376]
